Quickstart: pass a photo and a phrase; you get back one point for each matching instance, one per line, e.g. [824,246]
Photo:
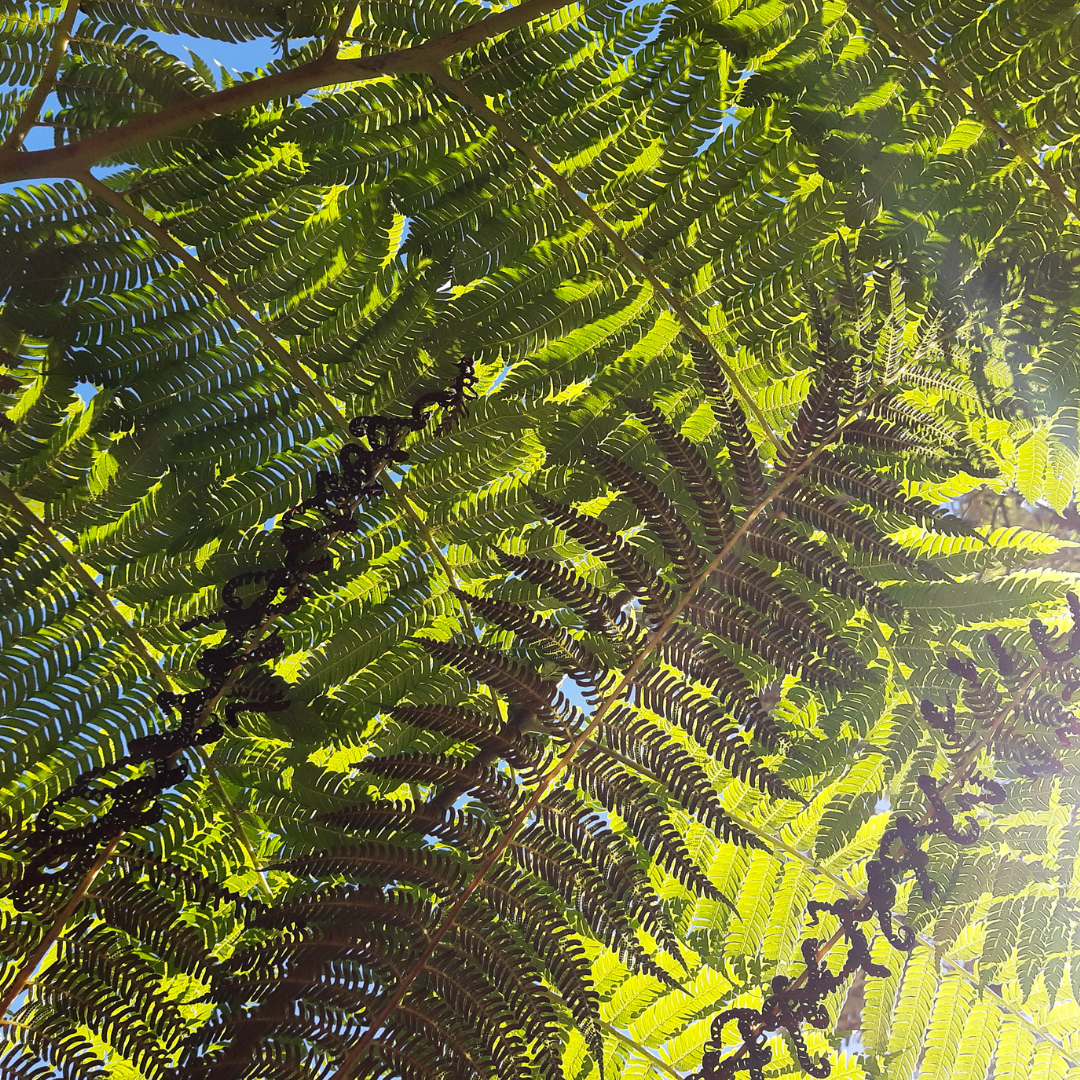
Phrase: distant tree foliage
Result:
[538,540]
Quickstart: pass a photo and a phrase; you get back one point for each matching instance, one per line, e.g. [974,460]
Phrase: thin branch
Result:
[75,158]
[570,195]
[650,1056]
[914,49]
[44,88]
[333,42]
[1025,1021]
[46,943]
[424,529]
[234,816]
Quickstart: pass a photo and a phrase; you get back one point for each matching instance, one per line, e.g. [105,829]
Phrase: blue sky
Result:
[242,56]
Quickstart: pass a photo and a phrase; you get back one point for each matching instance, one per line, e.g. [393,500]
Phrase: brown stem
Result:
[29,116]
[333,42]
[75,158]
[780,845]
[35,957]
[635,261]
[53,541]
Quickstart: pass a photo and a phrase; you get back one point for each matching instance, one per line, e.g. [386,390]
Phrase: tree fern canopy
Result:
[493,571]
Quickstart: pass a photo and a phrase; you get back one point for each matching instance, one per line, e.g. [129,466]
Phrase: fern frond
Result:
[693,655]
[658,510]
[517,682]
[716,516]
[558,645]
[468,725]
[786,547]
[741,446]
[664,693]
[462,828]
[635,737]
[730,621]
[570,588]
[621,792]
[881,492]
[494,790]
[819,511]
[381,863]
[757,589]
[819,413]
[625,562]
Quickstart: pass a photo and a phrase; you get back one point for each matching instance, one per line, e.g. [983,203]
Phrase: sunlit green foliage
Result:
[359,239]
